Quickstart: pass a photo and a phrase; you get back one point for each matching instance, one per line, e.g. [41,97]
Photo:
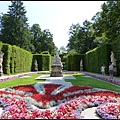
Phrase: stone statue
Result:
[81,65]
[1,60]
[56,67]
[113,60]
[36,65]
[56,59]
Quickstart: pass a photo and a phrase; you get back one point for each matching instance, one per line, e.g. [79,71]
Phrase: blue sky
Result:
[57,16]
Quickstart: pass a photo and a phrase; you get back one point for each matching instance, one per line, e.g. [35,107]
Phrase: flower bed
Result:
[71,101]
[6,78]
[109,110]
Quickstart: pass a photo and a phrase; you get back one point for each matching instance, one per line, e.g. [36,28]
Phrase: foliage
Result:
[12,58]
[43,61]
[97,57]
[45,52]
[16,31]
[46,62]
[116,49]
[107,21]
[72,52]
[81,38]
[62,50]
[14,28]
[0,45]
[73,62]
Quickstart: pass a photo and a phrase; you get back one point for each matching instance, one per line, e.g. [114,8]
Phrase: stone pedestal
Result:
[56,71]
[81,68]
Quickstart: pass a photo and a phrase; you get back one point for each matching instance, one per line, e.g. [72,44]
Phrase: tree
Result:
[37,34]
[14,26]
[81,38]
[62,50]
[107,22]
[43,40]
[72,39]
[47,41]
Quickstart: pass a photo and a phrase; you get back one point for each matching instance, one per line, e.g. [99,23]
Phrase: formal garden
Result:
[21,99]
[34,85]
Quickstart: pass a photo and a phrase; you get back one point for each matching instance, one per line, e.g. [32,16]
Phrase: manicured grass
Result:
[80,80]
[88,81]
[21,81]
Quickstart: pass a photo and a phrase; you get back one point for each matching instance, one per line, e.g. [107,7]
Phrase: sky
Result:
[57,16]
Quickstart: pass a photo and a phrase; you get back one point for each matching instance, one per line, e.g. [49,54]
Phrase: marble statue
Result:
[1,60]
[81,65]
[113,60]
[56,67]
[36,65]
[56,60]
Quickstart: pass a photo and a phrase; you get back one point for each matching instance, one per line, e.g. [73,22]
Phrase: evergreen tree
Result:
[14,29]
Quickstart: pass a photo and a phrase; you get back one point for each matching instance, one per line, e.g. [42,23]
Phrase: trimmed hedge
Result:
[7,50]
[73,62]
[43,61]
[16,59]
[95,58]
[116,50]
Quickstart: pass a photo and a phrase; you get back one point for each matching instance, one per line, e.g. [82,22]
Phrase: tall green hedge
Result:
[73,62]
[116,50]
[95,58]
[16,59]
[37,57]
[7,50]
[1,44]
[46,62]
[43,60]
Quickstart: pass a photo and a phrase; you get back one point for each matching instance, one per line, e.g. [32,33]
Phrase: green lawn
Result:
[80,80]
[21,81]
[93,82]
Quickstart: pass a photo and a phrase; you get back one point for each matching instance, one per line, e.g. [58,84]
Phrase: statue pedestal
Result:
[56,71]
[81,68]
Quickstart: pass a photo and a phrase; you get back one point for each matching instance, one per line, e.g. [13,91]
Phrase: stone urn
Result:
[56,67]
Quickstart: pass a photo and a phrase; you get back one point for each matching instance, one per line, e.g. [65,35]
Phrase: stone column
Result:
[1,60]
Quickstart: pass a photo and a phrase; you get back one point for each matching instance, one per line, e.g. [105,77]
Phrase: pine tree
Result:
[14,29]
